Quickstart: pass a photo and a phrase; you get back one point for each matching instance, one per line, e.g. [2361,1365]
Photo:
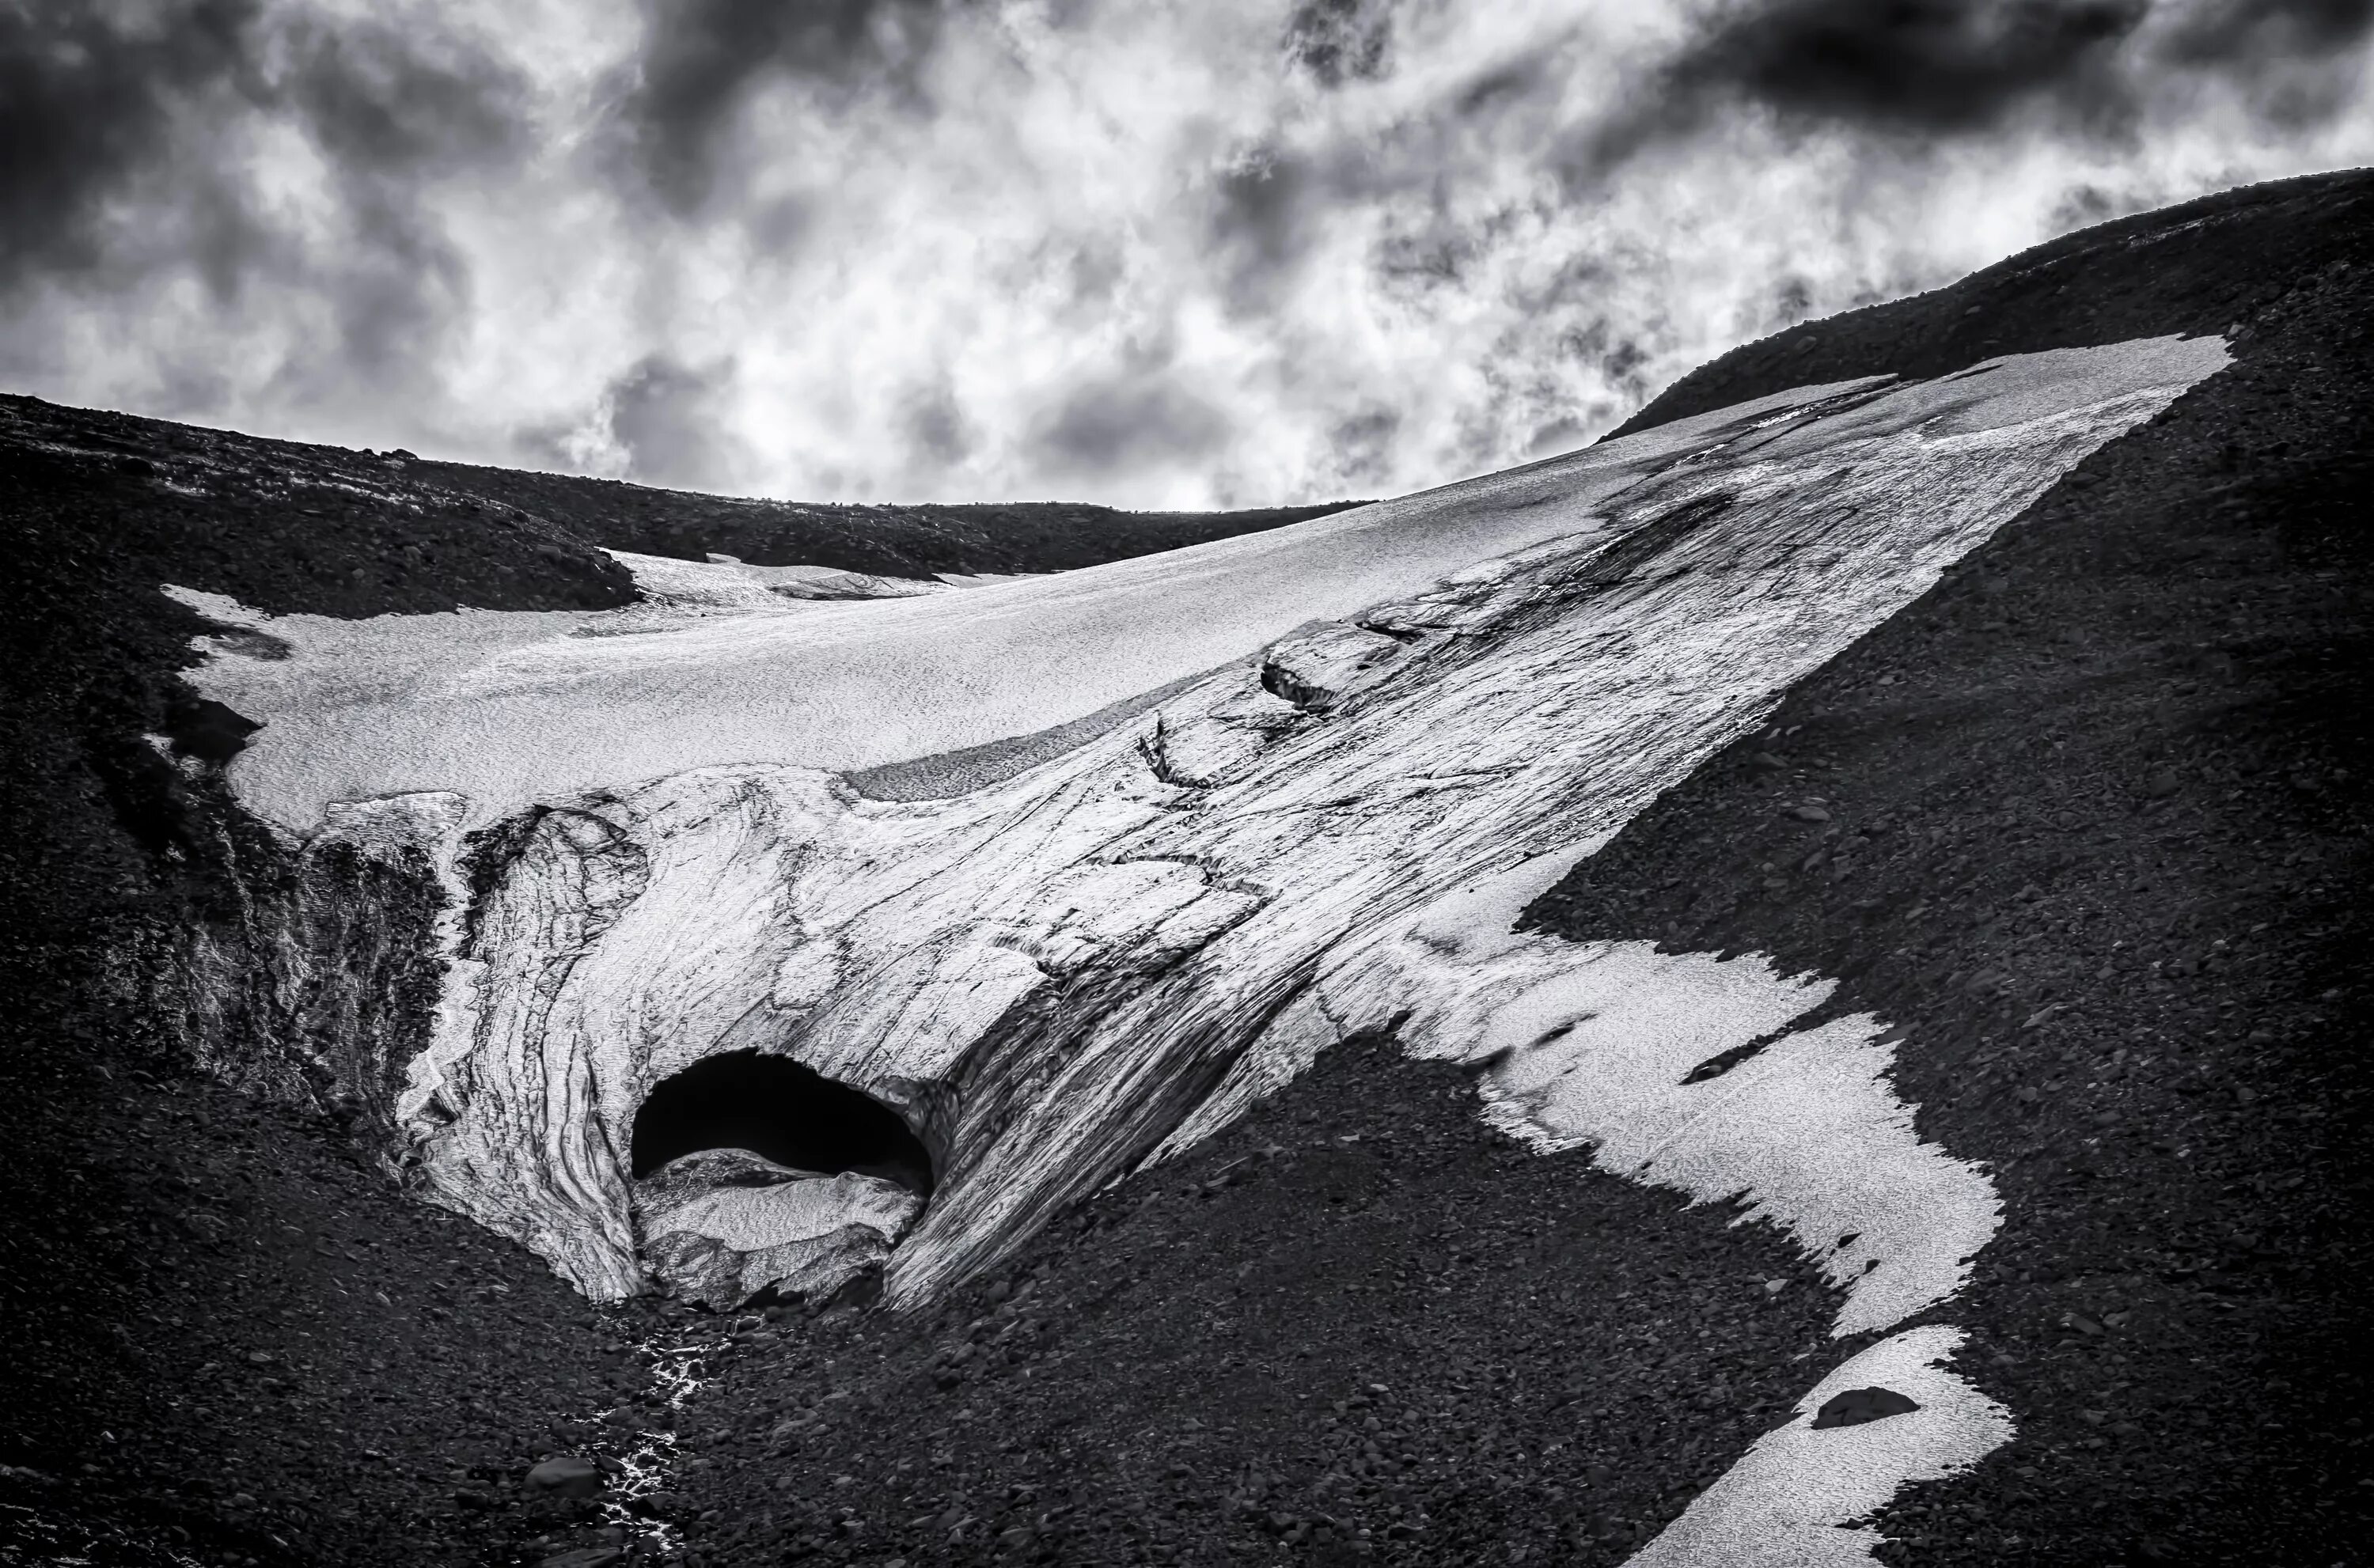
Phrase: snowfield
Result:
[508,709]
[1334,762]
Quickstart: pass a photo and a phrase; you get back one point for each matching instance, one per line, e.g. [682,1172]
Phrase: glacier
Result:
[1300,785]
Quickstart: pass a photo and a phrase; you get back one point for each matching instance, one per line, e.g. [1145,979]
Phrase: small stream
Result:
[680,1360]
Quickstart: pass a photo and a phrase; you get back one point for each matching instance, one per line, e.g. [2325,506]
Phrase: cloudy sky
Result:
[1153,253]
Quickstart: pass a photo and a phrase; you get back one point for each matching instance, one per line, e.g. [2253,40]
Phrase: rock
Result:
[2163,784]
[1857,1405]
[1809,813]
[565,1475]
[583,1557]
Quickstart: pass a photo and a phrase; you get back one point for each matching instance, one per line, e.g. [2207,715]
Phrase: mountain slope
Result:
[1360,1322]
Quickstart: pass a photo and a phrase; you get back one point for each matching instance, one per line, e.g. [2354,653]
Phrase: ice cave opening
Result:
[780,1110]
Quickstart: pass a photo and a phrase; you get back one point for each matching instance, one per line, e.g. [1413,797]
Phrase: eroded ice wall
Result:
[1052,975]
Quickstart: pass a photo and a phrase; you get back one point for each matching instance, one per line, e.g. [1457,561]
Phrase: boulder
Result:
[565,1475]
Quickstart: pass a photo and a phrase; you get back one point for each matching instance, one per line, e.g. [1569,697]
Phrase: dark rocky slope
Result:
[2096,833]
[2196,269]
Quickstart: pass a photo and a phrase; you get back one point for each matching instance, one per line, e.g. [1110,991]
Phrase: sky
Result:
[1148,253]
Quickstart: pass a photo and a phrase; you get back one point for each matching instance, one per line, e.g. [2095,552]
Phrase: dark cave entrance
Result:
[773,1106]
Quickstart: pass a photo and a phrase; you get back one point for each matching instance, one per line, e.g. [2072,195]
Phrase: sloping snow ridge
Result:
[1388,729]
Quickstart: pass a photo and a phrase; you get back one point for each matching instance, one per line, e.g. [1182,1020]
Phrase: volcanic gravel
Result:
[226,1338]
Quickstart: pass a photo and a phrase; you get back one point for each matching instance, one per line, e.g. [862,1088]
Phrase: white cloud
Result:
[1132,253]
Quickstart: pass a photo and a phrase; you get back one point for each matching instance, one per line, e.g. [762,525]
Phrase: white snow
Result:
[1791,1501]
[509,708]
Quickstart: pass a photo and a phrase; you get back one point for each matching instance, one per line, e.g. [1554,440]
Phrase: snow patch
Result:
[1791,1502]
[1594,1046]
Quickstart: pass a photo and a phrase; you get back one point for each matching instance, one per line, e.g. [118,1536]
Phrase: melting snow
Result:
[509,708]
[1407,719]
[1791,1502]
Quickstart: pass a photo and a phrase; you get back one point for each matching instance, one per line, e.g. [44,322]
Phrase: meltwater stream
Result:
[679,1362]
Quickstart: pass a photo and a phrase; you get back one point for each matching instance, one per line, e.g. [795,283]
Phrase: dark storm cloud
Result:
[1940,68]
[1262,213]
[86,104]
[100,104]
[1362,446]
[380,102]
[702,59]
[122,158]
[665,415]
[2244,30]
[2293,55]
[1260,202]
[1341,40]
[1930,67]
[391,112]
[935,425]
[1920,65]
